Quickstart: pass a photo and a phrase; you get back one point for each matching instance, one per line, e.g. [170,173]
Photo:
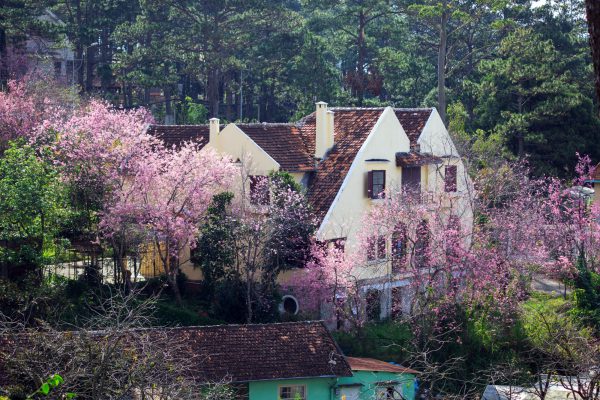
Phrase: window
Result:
[396,303]
[338,244]
[297,392]
[450,175]
[376,184]
[388,393]
[422,244]
[376,248]
[259,190]
[373,306]
[411,180]
[399,239]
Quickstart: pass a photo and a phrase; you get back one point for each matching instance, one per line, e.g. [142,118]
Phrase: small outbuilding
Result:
[375,379]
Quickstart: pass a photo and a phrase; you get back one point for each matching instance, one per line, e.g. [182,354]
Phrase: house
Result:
[555,391]
[268,361]
[375,379]
[345,157]
[282,361]
[592,182]
[38,53]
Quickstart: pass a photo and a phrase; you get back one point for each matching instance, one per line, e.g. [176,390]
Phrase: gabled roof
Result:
[413,121]
[351,128]
[283,143]
[370,364]
[176,135]
[293,145]
[242,353]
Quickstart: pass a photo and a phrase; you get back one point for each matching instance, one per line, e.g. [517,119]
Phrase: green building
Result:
[291,361]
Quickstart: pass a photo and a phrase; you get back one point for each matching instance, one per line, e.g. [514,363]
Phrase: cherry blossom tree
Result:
[28,103]
[163,196]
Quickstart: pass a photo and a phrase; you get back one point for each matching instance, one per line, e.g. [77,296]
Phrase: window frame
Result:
[408,186]
[372,193]
[399,252]
[376,248]
[451,178]
[280,396]
[253,196]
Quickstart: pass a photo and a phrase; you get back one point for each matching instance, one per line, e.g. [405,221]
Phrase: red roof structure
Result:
[370,364]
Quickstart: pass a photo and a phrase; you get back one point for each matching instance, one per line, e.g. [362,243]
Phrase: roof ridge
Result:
[264,123]
[181,125]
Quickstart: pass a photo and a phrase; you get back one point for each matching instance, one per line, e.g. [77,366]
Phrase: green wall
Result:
[369,381]
[317,388]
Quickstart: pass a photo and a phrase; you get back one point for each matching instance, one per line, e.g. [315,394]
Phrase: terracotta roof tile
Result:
[282,142]
[270,351]
[370,364]
[413,121]
[351,128]
[404,159]
[176,135]
[242,353]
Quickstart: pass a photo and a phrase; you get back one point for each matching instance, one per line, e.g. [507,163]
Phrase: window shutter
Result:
[370,184]
[371,249]
[450,176]
[381,247]
[383,191]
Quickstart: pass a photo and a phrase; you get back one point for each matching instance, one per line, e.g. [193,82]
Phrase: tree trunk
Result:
[249,313]
[89,67]
[360,61]
[212,92]
[441,62]
[520,133]
[3,59]
[593,17]
[78,65]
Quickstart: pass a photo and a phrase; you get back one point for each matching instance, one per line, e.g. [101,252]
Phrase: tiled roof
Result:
[352,126]
[405,159]
[242,353]
[176,135]
[370,364]
[413,121]
[293,145]
[283,143]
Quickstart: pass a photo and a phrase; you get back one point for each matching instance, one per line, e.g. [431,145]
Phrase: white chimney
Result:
[330,130]
[213,132]
[323,141]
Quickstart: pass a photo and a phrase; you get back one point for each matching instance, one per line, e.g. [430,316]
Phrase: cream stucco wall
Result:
[253,160]
[351,203]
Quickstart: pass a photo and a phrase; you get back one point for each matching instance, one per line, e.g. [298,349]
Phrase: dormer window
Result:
[376,184]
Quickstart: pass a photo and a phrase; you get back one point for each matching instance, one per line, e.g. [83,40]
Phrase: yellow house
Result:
[344,157]
[594,183]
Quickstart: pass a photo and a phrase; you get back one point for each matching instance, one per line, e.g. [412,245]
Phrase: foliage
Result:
[32,204]
[384,341]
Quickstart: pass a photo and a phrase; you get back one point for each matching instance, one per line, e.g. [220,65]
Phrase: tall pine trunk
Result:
[593,17]
[3,59]
[441,61]
[361,83]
